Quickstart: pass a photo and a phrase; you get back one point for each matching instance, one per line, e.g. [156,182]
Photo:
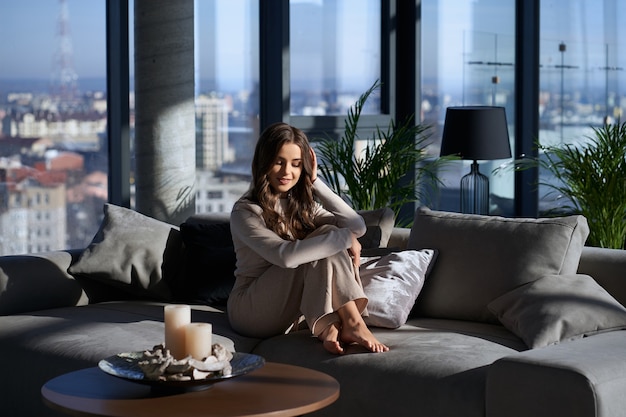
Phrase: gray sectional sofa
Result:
[512,317]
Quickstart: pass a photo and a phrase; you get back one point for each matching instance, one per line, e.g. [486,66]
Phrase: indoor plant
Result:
[591,178]
[374,178]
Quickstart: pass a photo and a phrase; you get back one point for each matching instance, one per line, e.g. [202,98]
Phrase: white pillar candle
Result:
[198,340]
[177,316]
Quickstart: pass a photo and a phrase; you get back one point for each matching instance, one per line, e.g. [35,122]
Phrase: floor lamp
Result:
[475,133]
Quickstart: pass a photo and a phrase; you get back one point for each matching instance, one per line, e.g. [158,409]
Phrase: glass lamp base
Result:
[475,192]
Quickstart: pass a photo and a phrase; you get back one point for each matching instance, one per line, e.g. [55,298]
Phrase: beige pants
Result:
[267,305]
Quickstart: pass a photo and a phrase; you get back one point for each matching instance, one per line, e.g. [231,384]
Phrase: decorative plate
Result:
[125,366]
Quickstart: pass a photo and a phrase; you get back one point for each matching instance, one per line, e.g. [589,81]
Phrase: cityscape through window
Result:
[54,139]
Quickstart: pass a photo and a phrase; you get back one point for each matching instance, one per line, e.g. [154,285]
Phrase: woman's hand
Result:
[313,165]
[355,252]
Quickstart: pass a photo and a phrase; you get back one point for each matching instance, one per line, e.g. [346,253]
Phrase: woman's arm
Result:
[248,228]
[336,211]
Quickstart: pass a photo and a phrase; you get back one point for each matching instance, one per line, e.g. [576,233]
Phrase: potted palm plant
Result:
[374,177]
[591,180]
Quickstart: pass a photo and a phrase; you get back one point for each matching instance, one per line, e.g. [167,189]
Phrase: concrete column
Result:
[164,109]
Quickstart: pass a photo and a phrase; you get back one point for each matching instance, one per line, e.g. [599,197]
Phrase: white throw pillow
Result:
[392,283]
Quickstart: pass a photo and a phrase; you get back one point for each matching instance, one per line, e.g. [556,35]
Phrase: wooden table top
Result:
[275,389]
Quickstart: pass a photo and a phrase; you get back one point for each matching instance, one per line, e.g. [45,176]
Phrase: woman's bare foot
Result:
[358,333]
[330,339]
[354,330]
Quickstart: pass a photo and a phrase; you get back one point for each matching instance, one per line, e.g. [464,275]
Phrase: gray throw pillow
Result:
[133,252]
[392,283]
[557,308]
[37,282]
[483,257]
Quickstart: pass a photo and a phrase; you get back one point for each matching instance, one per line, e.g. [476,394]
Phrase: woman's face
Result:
[286,170]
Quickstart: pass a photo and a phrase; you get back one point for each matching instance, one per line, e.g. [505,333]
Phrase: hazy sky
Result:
[29,32]
[29,37]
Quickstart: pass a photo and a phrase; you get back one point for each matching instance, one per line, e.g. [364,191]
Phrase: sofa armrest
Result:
[37,282]
[607,267]
[399,238]
[586,377]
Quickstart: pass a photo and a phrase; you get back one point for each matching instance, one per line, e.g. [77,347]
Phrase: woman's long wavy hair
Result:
[297,221]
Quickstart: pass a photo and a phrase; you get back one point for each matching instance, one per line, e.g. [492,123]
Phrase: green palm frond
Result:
[592,178]
[373,178]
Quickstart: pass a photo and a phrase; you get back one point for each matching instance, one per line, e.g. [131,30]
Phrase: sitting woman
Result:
[297,250]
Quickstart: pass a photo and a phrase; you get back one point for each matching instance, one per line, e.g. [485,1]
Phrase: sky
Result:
[29,33]
[32,27]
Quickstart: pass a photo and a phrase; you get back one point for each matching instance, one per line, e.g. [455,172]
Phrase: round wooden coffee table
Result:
[275,389]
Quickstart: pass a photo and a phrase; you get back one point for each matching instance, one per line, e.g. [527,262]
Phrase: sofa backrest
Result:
[483,257]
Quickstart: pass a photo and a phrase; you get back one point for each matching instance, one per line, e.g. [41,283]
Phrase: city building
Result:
[33,212]
[212,147]
[556,66]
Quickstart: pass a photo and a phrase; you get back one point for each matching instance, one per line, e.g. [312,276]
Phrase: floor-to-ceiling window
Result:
[582,75]
[334,55]
[53,123]
[53,153]
[468,59]
[227,100]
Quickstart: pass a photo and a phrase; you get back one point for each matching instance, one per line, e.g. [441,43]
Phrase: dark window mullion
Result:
[274,62]
[118,120]
[527,99]
[405,53]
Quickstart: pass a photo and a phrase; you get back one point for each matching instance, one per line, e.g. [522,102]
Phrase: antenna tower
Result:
[64,79]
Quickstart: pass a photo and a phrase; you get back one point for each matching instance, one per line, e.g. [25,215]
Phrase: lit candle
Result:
[198,340]
[177,316]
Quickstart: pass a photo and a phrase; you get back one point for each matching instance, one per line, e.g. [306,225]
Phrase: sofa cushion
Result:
[586,378]
[380,223]
[37,282]
[134,252]
[483,257]
[392,283]
[208,269]
[557,308]
[439,370]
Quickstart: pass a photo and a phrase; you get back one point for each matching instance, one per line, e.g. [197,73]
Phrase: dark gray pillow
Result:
[483,257]
[208,272]
[38,282]
[134,252]
[380,223]
[557,308]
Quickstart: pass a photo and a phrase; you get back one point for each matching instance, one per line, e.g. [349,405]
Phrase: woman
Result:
[297,249]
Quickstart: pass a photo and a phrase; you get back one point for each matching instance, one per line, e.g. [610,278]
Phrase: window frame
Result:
[400,91]
[118,106]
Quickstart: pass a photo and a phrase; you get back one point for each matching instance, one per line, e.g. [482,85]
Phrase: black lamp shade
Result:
[476,133]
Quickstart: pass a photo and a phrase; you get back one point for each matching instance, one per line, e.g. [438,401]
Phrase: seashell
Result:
[198,375]
[159,364]
[221,353]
